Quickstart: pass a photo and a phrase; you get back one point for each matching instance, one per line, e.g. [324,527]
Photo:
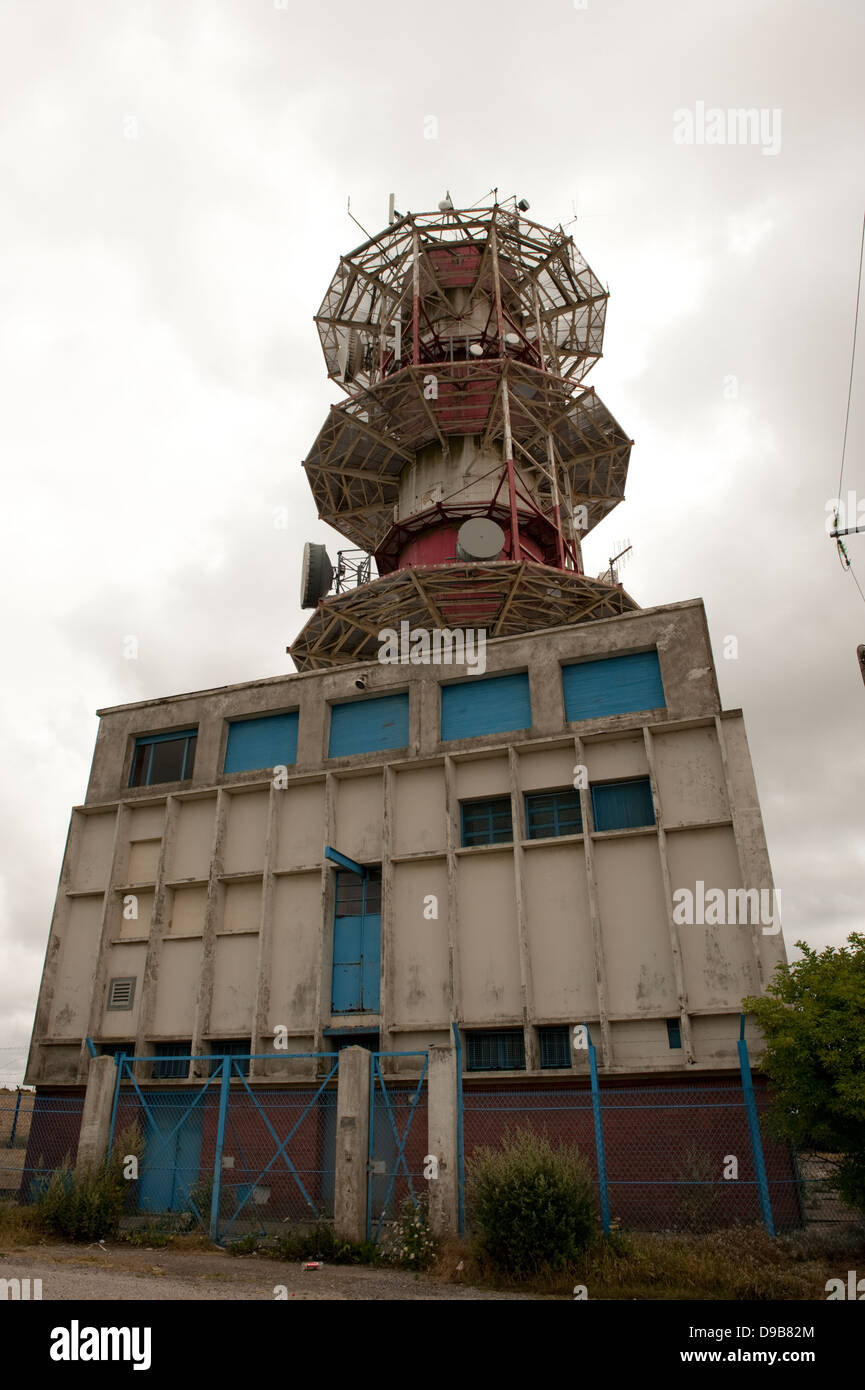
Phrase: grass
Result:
[740,1263]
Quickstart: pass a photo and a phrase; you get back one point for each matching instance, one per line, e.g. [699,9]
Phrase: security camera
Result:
[361,683]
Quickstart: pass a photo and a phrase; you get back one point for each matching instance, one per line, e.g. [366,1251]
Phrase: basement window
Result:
[231,1047]
[549,814]
[163,758]
[173,1063]
[555,1046]
[487,822]
[121,992]
[496,1050]
[674,1032]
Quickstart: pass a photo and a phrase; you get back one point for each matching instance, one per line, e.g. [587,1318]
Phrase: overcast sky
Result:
[173,205]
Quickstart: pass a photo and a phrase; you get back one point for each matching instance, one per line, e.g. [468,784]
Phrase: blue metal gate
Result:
[397,1141]
[236,1158]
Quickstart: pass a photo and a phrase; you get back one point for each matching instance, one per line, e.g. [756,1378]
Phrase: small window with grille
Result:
[555,1047]
[231,1047]
[496,1050]
[487,822]
[121,992]
[553,813]
[173,1063]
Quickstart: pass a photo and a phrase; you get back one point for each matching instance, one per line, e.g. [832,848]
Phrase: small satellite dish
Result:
[523,205]
[316,574]
[512,339]
[446,205]
[476,349]
[480,539]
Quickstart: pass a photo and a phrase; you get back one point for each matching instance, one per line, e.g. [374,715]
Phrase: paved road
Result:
[121,1272]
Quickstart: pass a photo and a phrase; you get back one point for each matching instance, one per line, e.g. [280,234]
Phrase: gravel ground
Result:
[122,1272]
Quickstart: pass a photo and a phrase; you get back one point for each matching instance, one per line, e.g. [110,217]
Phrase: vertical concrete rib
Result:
[451,841]
[387,1003]
[158,928]
[526,986]
[594,913]
[213,914]
[751,854]
[109,916]
[322,986]
[675,944]
[261,1005]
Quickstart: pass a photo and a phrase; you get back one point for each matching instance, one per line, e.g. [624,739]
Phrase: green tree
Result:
[813,1020]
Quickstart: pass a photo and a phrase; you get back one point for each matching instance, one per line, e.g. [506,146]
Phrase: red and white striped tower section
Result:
[469,458]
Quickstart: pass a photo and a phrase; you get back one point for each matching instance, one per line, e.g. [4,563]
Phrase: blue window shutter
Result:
[493,705]
[622,805]
[365,726]
[614,685]
[259,743]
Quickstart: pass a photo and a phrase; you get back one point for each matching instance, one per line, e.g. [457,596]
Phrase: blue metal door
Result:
[357,942]
[172,1155]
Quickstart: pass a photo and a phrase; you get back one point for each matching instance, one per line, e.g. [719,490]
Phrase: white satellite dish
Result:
[480,539]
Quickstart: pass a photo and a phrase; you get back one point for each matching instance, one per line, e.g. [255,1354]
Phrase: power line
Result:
[852,359]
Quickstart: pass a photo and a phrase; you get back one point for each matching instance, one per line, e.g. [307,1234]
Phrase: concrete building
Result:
[203,909]
[496,794]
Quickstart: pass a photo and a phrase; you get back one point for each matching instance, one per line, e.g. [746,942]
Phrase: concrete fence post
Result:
[352,1144]
[442,1141]
[96,1116]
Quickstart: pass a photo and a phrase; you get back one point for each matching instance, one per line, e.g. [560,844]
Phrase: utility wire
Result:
[852,358]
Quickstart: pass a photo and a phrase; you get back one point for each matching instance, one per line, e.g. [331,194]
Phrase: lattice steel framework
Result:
[463,335]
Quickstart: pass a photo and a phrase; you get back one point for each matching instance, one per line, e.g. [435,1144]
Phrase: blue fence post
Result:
[461,1157]
[599,1135]
[373,1072]
[754,1128]
[15,1118]
[220,1140]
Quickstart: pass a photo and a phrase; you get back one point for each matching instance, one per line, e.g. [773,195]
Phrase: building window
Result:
[121,992]
[486,705]
[487,822]
[231,1047]
[114,1049]
[261,743]
[555,1046]
[496,1050]
[622,805]
[163,758]
[174,1065]
[613,685]
[553,813]
[368,726]
[674,1032]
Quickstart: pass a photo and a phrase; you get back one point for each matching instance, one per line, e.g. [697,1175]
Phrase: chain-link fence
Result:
[398,1145]
[674,1159]
[38,1133]
[226,1158]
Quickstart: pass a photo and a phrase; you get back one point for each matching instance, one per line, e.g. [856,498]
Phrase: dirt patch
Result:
[120,1272]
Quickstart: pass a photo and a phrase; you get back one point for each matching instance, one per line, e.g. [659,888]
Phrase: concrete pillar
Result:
[442,1140]
[352,1143]
[96,1117]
